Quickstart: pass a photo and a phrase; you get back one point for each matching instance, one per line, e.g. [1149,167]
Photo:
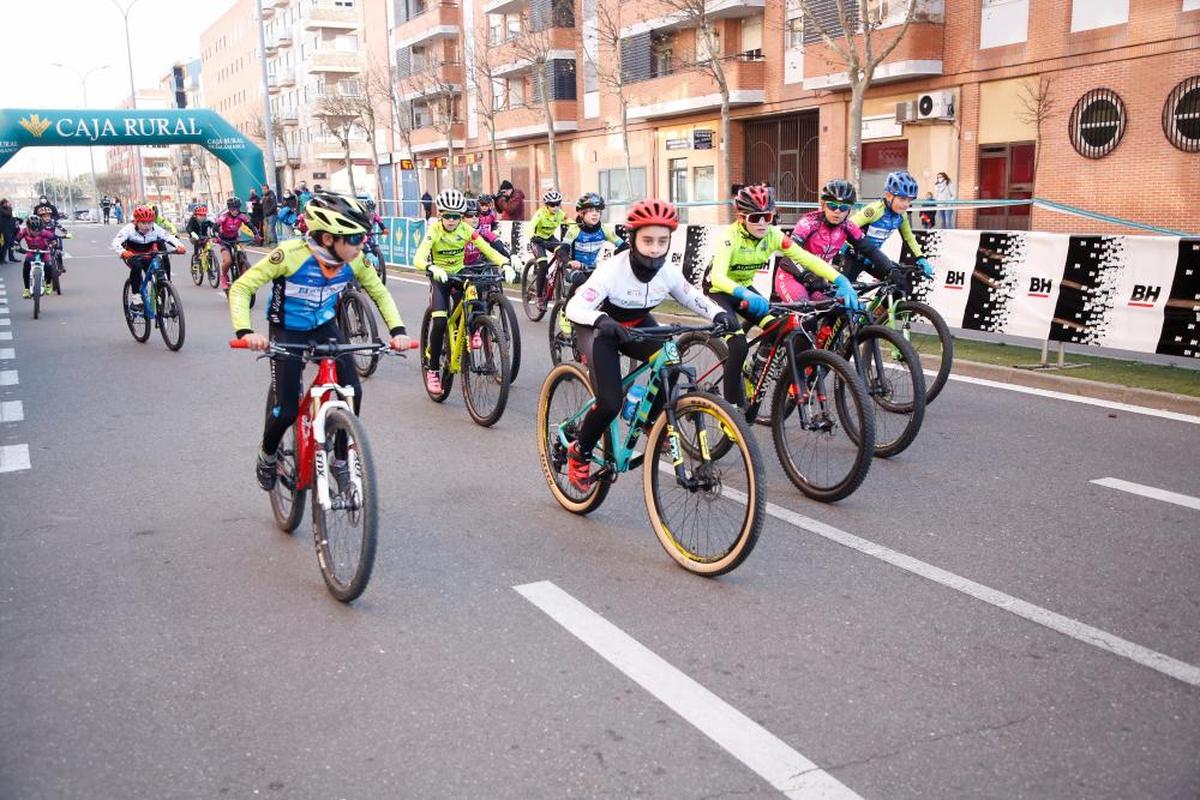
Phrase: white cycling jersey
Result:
[129,239]
[614,290]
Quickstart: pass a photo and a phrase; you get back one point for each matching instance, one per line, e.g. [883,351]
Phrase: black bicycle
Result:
[357,321]
[535,305]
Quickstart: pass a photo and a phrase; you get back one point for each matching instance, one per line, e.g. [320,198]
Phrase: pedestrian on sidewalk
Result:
[427,204]
[270,211]
[106,207]
[8,230]
[944,190]
[119,211]
[256,215]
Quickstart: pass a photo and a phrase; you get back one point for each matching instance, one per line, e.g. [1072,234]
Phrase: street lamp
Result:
[137,149]
[83,76]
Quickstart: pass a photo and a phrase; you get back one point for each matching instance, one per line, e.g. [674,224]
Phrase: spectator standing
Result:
[256,214]
[8,230]
[944,190]
[106,207]
[427,204]
[270,211]
[510,202]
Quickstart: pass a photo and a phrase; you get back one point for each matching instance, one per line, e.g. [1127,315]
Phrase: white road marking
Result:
[12,411]
[7,353]
[1074,398]
[8,377]
[14,457]
[1081,631]
[5,336]
[5,321]
[1149,491]
[747,741]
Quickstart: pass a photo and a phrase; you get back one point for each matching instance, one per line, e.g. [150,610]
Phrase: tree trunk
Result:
[625,138]
[858,88]
[727,151]
[495,171]
[375,161]
[551,138]
[350,168]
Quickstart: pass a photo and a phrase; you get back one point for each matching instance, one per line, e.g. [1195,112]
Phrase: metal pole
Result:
[70,184]
[268,128]
[91,152]
[137,149]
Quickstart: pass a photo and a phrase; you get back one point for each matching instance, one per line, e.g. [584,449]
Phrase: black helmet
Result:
[486,199]
[839,190]
[590,200]
[472,209]
[34,223]
[234,204]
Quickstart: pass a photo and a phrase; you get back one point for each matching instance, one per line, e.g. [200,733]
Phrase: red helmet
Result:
[201,211]
[652,212]
[144,214]
[754,199]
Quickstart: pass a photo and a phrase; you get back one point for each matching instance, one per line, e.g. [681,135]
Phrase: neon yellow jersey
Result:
[739,256]
[546,223]
[447,248]
[165,224]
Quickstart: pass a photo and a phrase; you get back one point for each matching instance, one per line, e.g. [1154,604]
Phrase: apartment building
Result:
[1115,85]
[158,173]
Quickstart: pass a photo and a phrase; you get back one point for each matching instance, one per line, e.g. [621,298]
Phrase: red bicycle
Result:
[327,451]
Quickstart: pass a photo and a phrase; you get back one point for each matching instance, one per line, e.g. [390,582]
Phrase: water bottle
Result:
[760,361]
[632,398]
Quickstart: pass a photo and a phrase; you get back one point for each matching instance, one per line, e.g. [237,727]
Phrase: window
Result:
[512,23]
[516,92]
[1181,115]
[752,36]
[1089,14]
[703,53]
[499,92]
[1097,123]
[495,28]
[704,182]
[1003,22]
[661,44]
[616,190]
[346,43]
[794,34]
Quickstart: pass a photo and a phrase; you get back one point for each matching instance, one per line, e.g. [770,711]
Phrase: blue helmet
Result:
[901,184]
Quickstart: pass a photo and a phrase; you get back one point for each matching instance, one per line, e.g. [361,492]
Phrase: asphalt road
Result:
[978,621]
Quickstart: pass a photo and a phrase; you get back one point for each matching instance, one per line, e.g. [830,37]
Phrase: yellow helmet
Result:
[338,214]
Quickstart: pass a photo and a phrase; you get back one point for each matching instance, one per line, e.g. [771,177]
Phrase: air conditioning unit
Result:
[906,112]
[935,105]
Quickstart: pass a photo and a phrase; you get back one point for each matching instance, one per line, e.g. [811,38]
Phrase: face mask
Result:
[644,267]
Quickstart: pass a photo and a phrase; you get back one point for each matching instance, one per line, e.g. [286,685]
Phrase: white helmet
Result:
[453,201]
[551,196]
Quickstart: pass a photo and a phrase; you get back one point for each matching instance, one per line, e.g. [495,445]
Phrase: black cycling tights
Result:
[283,399]
[604,367]
[735,392]
[442,300]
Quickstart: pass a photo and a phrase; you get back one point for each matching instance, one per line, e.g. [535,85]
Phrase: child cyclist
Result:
[472,256]
[746,248]
[137,243]
[378,228]
[879,219]
[199,228]
[229,229]
[586,236]
[36,234]
[309,276]
[543,240]
[620,294]
[441,254]
[487,213]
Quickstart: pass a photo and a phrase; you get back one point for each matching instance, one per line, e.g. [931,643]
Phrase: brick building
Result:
[1121,119]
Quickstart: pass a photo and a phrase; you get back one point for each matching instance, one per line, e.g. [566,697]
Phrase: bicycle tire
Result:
[349,585]
[750,526]
[172,308]
[935,320]
[785,409]
[358,325]
[197,270]
[139,327]
[35,286]
[446,375]
[710,375]
[560,343]
[891,437]
[478,374]
[550,450]
[244,265]
[213,267]
[529,298]
[287,502]
[510,327]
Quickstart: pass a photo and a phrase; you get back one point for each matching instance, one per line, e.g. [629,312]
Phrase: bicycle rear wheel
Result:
[709,524]
[35,286]
[564,393]
[139,325]
[529,293]
[446,375]
[485,372]
[562,345]
[891,373]
[242,266]
[358,324]
[345,533]
[811,440]
[287,502]
[170,316]
[500,309]
[923,327]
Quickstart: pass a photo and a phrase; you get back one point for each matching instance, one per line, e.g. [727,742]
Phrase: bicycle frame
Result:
[310,430]
[662,366]
[458,322]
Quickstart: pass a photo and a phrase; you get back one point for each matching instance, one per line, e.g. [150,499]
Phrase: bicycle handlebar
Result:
[313,351]
[668,331]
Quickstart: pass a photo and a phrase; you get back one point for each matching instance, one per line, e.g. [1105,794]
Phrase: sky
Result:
[162,32]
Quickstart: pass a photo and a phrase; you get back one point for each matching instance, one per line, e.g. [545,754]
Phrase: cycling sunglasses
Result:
[760,216]
[832,206]
[354,239]
[452,217]
[553,205]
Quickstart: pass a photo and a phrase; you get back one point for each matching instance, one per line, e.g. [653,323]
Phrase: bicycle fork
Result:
[321,465]
[808,392]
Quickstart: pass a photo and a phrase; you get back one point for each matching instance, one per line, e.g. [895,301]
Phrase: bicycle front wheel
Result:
[197,270]
[170,316]
[923,327]
[485,372]
[35,285]
[534,309]
[345,533]
[811,438]
[562,343]
[358,324]
[213,267]
[709,517]
[501,310]
[565,392]
[892,375]
[135,316]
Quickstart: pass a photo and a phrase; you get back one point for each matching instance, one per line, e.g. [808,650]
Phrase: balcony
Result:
[714,10]
[429,34]
[272,83]
[330,60]
[270,46]
[435,17]
[330,148]
[342,19]
[431,140]
[289,118]
[687,91]
[287,77]
[529,122]
[283,39]
[919,55]
[443,79]
[504,6]
[278,3]
[558,53]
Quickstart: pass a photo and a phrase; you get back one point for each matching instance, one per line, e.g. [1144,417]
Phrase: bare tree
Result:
[341,114]
[258,129]
[440,97]
[859,58]
[380,87]
[535,46]
[483,78]
[610,69]
[1038,104]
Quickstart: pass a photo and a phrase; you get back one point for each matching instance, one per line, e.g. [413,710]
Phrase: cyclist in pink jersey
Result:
[229,229]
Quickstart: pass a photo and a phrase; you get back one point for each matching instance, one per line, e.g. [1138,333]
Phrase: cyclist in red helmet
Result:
[199,227]
[620,294]
[139,240]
